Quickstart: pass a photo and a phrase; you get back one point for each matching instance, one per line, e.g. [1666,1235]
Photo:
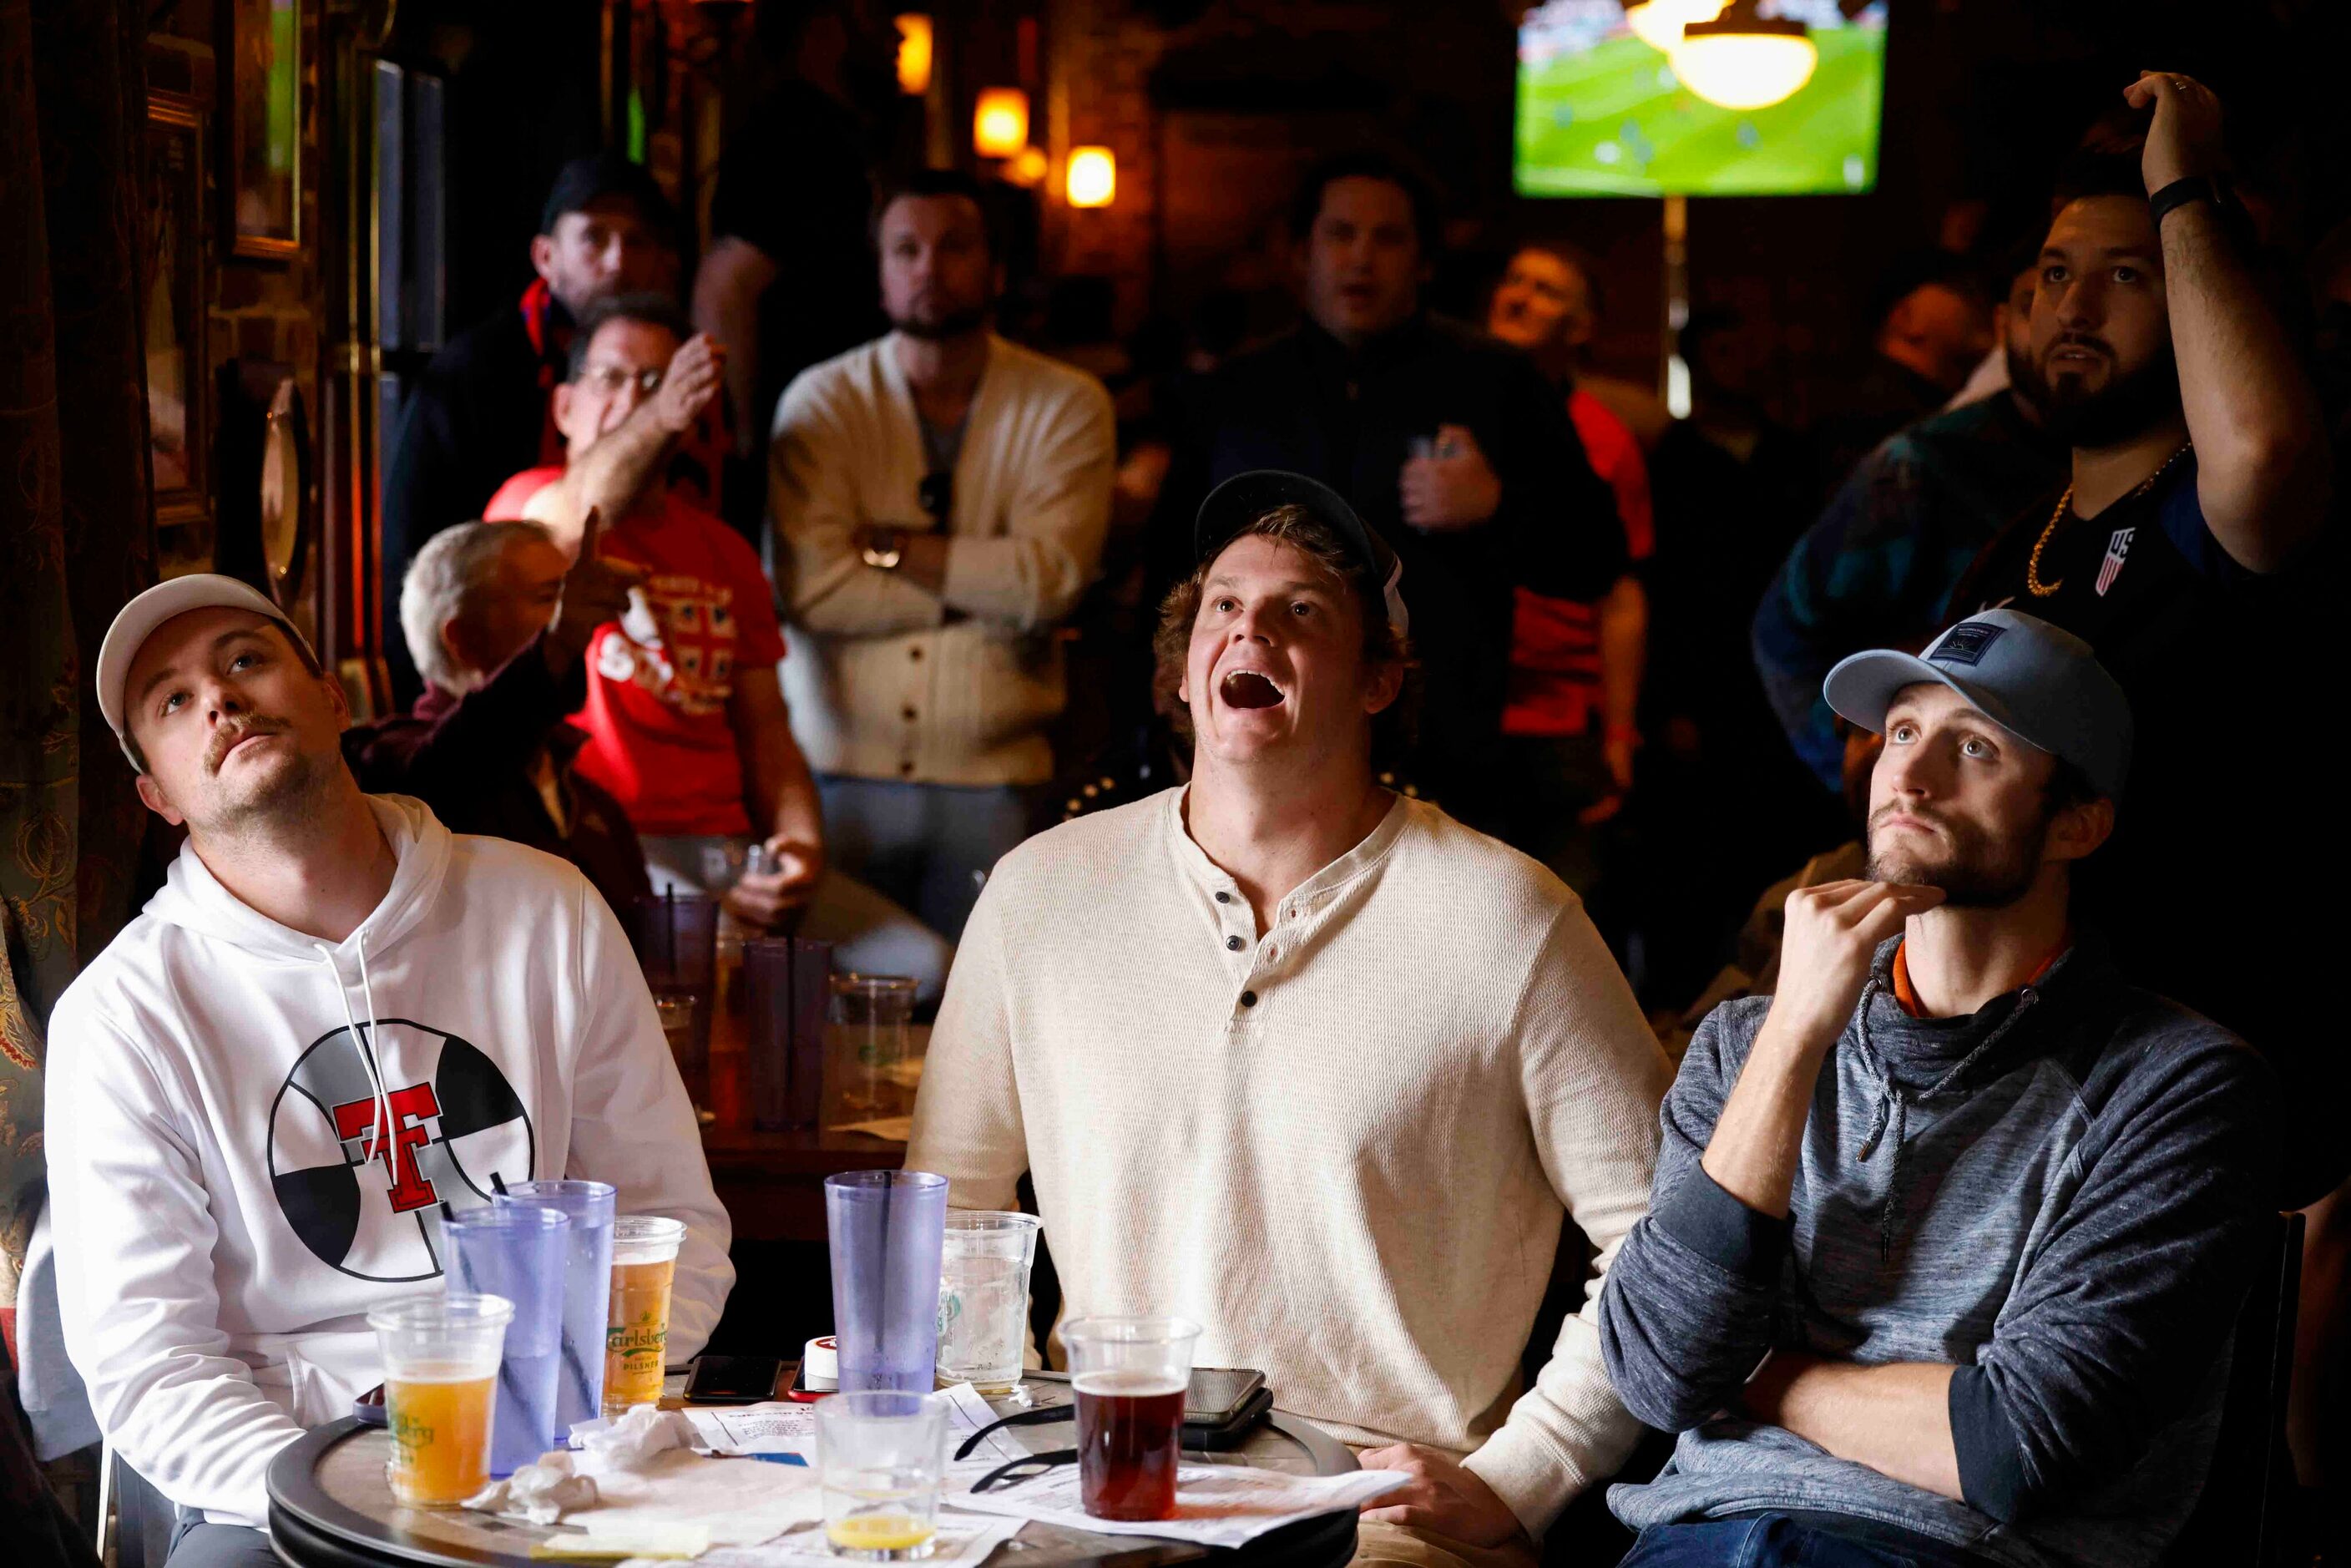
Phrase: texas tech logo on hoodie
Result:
[370,1207]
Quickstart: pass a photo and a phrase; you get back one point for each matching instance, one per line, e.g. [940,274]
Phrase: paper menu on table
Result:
[968,1413]
[1216,1505]
[775,1427]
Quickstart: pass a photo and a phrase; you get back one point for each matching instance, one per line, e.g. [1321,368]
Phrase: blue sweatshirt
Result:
[2062,1195]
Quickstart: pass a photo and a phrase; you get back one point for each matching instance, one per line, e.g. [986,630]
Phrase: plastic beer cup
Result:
[636,1343]
[984,1298]
[441,1357]
[1129,1375]
[879,1455]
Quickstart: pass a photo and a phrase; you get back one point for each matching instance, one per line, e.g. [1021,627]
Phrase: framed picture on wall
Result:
[264,108]
[178,368]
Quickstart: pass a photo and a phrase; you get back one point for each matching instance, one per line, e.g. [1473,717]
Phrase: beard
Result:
[1977,871]
[288,792]
[2130,404]
[950,324]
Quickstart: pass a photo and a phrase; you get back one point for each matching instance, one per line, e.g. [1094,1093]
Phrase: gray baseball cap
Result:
[2034,680]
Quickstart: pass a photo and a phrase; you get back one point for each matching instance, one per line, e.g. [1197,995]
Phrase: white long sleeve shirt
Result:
[1343,1144]
[887,680]
[222,1223]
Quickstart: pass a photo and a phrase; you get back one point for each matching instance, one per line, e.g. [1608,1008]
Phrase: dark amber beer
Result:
[1130,1426]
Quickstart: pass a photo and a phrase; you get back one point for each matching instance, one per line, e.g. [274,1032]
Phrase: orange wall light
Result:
[1091,179]
[1000,126]
[914,53]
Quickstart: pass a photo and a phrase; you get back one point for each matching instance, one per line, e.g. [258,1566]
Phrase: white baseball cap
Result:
[137,622]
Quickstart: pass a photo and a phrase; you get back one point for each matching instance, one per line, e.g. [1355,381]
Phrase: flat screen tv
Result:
[1602,111]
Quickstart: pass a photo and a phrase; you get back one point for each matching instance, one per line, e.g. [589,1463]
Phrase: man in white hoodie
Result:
[335,1017]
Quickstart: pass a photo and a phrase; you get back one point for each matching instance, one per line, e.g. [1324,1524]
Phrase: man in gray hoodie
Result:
[1948,1235]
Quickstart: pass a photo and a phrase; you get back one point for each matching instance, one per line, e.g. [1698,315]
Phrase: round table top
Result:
[332,1507]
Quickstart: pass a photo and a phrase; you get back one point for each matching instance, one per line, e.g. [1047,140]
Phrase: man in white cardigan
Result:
[943,495]
[1310,1064]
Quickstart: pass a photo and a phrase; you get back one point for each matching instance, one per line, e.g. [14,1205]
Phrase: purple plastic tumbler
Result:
[511,1251]
[587,1289]
[887,1228]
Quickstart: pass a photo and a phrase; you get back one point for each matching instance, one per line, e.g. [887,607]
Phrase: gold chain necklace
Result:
[2033,583]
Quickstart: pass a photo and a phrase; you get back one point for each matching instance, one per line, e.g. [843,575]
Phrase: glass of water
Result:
[879,1457]
[984,1298]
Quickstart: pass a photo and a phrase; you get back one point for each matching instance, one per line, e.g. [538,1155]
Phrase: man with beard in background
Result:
[1877,568]
[2189,550]
[940,496]
[2199,470]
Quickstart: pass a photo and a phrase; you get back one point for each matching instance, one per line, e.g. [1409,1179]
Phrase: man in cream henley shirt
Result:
[1344,1142]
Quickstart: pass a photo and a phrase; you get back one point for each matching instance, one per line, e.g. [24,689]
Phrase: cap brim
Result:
[139,619]
[1862,686]
[1245,498]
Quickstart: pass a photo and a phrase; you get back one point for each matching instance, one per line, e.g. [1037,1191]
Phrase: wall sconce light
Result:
[913,54]
[1092,177]
[1027,167]
[999,125]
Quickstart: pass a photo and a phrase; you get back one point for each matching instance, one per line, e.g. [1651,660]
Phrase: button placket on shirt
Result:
[1265,953]
[1237,933]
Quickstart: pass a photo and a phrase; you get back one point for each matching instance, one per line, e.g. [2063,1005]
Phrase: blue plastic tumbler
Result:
[515,1251]
[887,1228]
[587,1289]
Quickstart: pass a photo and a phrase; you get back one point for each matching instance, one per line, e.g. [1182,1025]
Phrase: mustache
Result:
[2083,341]
[228,736]
[1918,813]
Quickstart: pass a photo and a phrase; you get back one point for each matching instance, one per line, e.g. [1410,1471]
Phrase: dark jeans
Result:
[199,1545]
[1780,1540]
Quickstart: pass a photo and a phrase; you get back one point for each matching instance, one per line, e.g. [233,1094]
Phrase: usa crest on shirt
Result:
[2116,549]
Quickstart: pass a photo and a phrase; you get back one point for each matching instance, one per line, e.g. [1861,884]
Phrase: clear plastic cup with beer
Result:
[880,1454]
[1129,1375]
[440,1391]
[636,1345]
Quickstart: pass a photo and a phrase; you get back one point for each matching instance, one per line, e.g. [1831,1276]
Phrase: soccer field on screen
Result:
[1613,120]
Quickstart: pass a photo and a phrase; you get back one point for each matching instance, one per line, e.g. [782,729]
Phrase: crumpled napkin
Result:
[612,1448]
[541,1493]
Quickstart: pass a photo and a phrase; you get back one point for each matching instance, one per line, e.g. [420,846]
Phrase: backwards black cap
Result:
[1245,498]
[608,174]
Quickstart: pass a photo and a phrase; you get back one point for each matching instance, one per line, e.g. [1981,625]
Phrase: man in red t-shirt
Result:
[685,718]
[1575,668]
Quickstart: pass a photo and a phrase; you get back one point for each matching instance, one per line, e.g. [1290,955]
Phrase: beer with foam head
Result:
[636,1345]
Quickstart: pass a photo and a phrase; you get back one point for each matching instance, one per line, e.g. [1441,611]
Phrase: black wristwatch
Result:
[884,547]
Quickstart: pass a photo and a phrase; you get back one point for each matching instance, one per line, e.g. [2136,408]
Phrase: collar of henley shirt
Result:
[1211,879]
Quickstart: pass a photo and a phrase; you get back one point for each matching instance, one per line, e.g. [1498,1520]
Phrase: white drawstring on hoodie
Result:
[366,1042]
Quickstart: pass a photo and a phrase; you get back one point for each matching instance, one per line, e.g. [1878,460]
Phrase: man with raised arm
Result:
[336,1018]
[2198,482]
[1312,1063]
[1949,1233]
